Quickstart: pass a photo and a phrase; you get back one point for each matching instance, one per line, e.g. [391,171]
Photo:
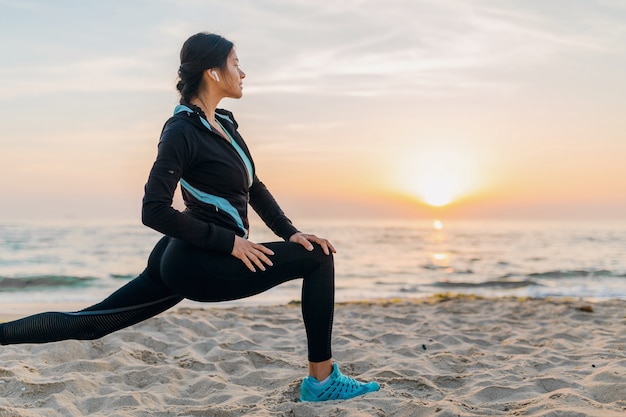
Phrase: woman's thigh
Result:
[202,275]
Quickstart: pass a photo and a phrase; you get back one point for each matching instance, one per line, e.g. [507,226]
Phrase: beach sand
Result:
[441,356]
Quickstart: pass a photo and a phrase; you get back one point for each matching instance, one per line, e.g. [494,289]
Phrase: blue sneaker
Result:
[337,387]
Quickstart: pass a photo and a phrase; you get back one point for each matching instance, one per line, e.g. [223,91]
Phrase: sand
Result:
[442,356]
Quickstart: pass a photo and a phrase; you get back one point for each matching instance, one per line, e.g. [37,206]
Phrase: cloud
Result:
[348,48]
[93,75]
[425,47]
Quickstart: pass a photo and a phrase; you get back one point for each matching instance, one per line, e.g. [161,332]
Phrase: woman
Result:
[205,254]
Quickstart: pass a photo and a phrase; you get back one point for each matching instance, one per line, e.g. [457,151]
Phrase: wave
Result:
[39,282]
[488,284]
[516,281]
[582,273]
[510,281]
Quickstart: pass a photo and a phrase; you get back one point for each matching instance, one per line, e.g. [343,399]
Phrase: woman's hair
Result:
[199,53]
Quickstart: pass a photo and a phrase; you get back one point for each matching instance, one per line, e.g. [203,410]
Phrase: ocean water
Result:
[71,264]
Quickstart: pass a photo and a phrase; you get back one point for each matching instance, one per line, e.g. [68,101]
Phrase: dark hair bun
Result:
[200,52]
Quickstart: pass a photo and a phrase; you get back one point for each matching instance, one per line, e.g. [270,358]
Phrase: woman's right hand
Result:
[251,254]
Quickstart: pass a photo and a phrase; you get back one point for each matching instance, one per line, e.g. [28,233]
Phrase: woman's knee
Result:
[322,258]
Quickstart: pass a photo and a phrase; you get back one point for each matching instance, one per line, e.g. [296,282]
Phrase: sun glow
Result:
[439,189]
[437,177]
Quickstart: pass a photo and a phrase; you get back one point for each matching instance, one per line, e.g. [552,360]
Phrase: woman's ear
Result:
[215,76]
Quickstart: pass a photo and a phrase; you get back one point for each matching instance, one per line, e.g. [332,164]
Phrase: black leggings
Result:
[177,270]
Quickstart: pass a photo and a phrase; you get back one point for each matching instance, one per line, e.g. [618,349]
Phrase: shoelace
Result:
[342,384]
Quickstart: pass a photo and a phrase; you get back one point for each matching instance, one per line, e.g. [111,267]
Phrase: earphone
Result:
[215,75]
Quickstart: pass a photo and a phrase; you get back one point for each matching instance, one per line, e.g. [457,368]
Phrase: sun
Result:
[438,190]
[438,176]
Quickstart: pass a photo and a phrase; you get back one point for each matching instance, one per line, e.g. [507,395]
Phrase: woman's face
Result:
[231,78]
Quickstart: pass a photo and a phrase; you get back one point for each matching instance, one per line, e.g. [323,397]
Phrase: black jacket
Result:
[204,160]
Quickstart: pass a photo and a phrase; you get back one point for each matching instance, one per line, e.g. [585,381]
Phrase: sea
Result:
[68,265]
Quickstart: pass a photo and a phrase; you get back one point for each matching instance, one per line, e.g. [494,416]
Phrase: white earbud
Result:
[215,75]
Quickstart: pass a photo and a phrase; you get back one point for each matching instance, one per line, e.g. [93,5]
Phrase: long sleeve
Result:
[175,153]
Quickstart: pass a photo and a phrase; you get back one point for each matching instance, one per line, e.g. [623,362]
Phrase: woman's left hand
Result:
[305,240]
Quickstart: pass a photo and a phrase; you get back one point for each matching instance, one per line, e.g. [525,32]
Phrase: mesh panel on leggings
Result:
[82,325]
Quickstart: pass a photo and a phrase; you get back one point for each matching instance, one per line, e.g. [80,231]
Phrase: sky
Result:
[485,109]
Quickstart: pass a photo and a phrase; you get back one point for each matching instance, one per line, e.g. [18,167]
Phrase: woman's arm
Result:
[266,206]
[262,201]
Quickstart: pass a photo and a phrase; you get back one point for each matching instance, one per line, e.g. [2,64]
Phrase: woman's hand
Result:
[251,254]
[306,239]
